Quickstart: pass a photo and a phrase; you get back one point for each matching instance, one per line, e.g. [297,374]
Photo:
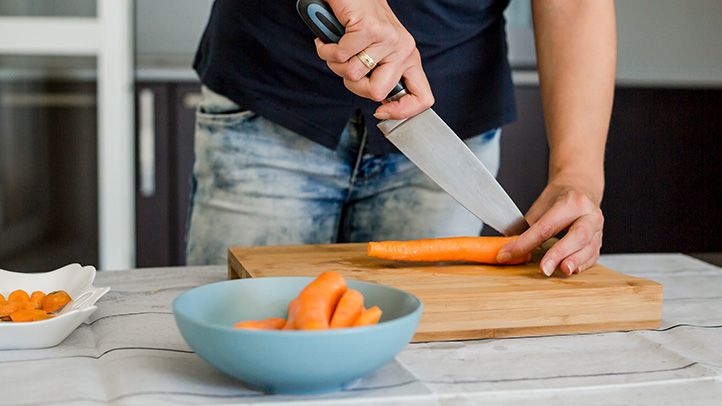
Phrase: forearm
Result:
[576,56]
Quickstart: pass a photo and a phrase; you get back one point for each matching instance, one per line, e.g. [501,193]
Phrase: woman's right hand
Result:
[372,27]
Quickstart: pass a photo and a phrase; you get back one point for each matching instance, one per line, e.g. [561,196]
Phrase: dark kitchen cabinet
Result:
[664,171]
[48,174]
[663,167]
[165,121]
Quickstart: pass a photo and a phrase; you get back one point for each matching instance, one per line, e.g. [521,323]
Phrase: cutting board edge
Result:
[538,331]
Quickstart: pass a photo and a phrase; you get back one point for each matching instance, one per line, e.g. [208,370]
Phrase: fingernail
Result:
[382,115]
[503,256]
[548,268]
[571,267]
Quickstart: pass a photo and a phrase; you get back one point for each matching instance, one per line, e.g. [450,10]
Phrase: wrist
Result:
[589,182]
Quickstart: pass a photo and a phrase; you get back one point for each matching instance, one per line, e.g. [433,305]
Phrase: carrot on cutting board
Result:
[368,317]
[349,308]
[271,323]
[469,249]
[314,306]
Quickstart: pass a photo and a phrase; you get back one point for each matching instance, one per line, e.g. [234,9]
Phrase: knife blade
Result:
[432,146]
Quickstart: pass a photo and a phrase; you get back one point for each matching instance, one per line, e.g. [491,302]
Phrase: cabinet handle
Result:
[146,143]
[191,100]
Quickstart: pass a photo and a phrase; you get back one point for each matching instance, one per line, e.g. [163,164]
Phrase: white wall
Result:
[670,42]
[660,42]
[170,27]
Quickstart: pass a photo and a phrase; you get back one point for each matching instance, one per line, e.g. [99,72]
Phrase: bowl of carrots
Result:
[295,334]
[39,310]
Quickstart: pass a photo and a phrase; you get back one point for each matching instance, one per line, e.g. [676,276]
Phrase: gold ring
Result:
[366,59]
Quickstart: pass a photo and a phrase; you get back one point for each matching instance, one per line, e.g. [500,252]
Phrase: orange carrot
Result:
[19,296]
[349,308]
[2,298]
[37,299]
[313,308]
[55,301]
[292,312]
[29,315]
[368,317]
[11,306]
[470,249]
[272,323]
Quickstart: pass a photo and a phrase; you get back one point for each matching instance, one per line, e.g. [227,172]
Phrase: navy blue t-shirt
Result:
[260,54]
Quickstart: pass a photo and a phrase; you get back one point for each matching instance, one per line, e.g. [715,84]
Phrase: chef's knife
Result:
[430,144]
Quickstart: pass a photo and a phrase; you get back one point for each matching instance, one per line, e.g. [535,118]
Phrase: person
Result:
[288,153]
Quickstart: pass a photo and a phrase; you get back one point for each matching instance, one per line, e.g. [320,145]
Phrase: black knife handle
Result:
[319,17]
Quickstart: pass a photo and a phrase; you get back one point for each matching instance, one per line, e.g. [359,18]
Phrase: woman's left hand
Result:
[562,205]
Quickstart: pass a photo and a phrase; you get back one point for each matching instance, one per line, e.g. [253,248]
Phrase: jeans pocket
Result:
[216,109]
[230,117]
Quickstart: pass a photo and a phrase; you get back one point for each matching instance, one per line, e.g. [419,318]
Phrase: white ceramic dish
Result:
[76,280]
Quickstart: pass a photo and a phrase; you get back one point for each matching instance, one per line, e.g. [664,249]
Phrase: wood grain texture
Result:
[472,301]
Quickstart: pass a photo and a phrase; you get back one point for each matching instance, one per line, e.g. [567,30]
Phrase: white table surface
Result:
[131,352]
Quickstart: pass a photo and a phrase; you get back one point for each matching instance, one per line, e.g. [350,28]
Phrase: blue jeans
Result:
[257,183]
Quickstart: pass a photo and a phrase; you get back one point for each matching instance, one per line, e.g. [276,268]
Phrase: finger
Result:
[557,218]
[582,259]
[587,264]
[418,99]
[353,69]
[593,260]
[347,48]
[378,85]
[580,234]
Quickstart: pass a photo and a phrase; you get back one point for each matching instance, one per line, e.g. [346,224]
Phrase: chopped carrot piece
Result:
[29,315]
[11,306]
[19,296]
[37,299]
[55,301]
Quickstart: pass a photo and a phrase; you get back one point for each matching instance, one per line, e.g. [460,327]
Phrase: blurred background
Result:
[59,141]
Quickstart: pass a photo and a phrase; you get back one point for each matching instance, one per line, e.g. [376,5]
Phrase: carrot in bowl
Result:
[271,323]
[19,296]
[468,249]
[29,315]
[55,301]
[368,317]
[314,306]
[349,308]
[37,299]
[11,306]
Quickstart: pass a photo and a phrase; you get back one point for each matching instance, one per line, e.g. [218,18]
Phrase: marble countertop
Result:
[130,352]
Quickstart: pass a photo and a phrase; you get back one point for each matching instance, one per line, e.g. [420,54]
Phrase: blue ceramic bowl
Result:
[291,361]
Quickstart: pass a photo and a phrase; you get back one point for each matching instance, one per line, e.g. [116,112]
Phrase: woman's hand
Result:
[562,205]
[372,27]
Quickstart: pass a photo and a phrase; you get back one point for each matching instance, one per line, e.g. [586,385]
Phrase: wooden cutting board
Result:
[471,301]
